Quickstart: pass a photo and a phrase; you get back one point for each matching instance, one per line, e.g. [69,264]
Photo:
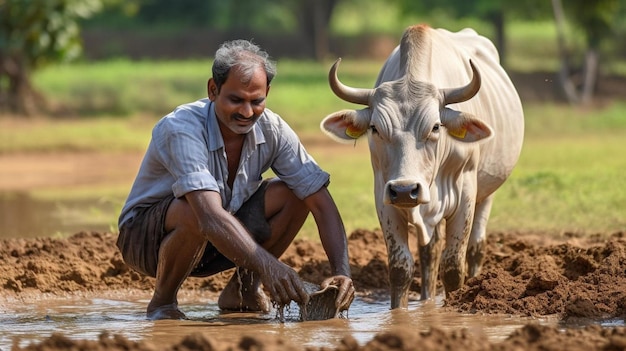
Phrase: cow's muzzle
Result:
[406,194]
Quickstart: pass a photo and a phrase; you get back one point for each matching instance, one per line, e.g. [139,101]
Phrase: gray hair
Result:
[246,56]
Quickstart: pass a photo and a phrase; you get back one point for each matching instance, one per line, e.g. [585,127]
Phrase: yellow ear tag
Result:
[353,132]
[459,133]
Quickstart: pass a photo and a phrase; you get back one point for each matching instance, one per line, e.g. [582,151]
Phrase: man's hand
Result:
[345,296]
[283,284]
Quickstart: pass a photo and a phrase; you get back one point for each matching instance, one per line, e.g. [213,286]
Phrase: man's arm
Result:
[232,239]
[333,237]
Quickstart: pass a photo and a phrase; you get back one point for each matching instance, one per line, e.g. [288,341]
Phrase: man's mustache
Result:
[239,116]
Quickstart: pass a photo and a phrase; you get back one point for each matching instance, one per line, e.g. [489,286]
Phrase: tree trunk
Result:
[590,75]
[315,19]
[19,97]
[567,86]
[497,21]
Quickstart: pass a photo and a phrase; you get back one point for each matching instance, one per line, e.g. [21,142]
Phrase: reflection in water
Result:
[22,216]
[88,318]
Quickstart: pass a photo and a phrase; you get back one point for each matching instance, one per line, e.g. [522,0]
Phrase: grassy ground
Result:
[570,175]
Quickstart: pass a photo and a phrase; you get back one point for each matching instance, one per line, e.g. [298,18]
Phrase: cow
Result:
[445,127]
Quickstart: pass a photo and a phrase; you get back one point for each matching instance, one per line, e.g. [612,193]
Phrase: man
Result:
[199,204]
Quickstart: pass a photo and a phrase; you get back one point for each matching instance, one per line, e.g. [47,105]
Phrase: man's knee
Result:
[181,218]
[279,198]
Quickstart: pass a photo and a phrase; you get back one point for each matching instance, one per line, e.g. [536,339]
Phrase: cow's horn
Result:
[344,92]
[454,95]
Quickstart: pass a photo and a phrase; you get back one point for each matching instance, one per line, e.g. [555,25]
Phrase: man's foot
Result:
[170,311]
[235,298]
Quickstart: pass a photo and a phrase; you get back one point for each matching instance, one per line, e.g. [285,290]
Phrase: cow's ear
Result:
[343,126]
[465,127]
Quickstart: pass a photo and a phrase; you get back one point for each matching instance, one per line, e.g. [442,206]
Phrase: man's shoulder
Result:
[191,114]
[197,109]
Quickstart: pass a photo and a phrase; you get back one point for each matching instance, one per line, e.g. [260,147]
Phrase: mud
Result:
[564,276]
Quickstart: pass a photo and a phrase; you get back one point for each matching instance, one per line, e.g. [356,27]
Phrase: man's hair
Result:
[246,56]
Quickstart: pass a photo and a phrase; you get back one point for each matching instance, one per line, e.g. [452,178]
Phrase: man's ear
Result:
[344,126]
[211,89]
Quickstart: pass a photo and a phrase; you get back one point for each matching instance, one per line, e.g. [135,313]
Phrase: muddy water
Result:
[23,216]
[86,318]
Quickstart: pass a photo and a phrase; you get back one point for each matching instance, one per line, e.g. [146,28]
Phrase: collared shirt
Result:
[186,153]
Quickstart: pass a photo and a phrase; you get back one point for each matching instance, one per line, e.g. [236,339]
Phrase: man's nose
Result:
[246,110]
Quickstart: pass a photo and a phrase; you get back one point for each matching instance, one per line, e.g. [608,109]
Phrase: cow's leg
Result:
[430,256]
[401,263]
[476,245]
[453,264]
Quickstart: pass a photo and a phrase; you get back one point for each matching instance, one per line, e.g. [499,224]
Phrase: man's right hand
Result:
[283,284]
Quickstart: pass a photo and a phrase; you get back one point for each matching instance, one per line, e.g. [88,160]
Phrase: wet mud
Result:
[564,277]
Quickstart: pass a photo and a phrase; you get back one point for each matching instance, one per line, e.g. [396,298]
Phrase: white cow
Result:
[440,147]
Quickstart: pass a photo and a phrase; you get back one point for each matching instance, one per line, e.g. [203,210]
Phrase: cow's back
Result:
[444,62]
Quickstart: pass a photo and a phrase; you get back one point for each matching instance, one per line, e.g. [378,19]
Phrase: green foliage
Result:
[478,8]
[596,18]
[42,31]
[261,16]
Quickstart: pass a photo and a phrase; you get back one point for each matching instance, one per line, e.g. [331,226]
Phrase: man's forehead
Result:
[246,75]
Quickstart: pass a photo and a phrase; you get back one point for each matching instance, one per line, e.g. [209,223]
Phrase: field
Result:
[556,250]
[567,179]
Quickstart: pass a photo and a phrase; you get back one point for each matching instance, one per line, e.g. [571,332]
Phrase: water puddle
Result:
[24,216]
[87,318]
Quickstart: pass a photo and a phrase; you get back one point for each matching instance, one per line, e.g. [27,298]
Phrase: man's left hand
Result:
[346,290]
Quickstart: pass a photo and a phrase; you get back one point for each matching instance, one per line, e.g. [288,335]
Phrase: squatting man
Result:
[199,204]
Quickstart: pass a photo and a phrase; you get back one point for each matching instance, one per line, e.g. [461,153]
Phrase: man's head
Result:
[242,74]
[244,55]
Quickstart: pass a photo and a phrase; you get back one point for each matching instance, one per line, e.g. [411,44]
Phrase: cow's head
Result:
[405,121]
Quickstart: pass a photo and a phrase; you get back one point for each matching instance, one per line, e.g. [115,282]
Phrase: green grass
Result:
[570,176]
[123,88]
[565,184]
[96,134]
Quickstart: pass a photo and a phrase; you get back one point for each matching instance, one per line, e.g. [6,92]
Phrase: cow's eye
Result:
[436,128]
[373,129]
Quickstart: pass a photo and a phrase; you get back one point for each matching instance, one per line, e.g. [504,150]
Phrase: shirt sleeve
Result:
[184,154]
[295,166]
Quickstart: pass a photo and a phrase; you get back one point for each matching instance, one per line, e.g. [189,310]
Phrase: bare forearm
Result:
[331,230]
[333,238]
[232,240]
[226,233]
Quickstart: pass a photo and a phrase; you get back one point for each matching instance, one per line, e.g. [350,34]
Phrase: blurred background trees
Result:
[34,33]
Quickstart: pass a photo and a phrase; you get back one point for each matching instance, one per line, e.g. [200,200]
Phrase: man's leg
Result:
[285,214]
[180,251]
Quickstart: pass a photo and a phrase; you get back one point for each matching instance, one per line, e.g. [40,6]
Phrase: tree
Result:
[34,33]
[596,20]
[494,12]
[314,18]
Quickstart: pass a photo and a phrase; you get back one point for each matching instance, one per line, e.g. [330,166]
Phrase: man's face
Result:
[239,104]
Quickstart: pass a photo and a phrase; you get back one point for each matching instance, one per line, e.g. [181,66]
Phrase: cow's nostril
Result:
[407,194]
[393,194]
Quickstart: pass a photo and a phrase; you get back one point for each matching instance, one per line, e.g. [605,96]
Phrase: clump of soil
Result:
[582,277]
